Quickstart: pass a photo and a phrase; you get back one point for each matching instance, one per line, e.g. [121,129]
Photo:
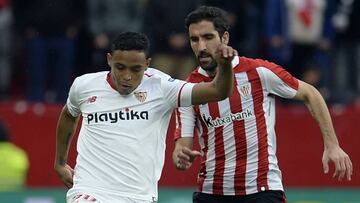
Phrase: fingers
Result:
[227,52]
[343,168]
[349,168]
[70,169]
[68,182]
[337,168]
[186,157]
[66,174]
[192,154]
[326,166]
[183,165]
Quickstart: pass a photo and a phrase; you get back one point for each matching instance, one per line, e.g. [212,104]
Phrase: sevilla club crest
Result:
[141,96]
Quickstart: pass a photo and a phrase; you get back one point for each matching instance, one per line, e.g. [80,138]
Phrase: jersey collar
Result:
[110,82]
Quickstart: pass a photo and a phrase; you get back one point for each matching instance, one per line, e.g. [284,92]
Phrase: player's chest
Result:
[239,106]
[139,109]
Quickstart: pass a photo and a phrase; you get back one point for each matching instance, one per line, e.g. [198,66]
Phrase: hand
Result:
[225,54]
[343,165]
[185,158]
[66,173]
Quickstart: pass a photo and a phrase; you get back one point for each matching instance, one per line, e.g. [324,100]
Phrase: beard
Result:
[207,66]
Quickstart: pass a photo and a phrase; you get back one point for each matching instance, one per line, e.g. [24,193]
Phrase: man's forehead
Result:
[202,28]
[128,54]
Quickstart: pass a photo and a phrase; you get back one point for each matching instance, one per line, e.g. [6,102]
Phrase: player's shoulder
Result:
[198,75]
[248,64]
[91,78]
[155,74]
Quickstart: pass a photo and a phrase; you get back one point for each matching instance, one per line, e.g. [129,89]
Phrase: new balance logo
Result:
[212,123]
[92,99]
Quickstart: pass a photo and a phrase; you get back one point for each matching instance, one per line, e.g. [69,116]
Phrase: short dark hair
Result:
[127,41]
[213,14]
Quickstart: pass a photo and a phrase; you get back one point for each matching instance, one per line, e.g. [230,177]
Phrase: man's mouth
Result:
[125,86]
[204,57]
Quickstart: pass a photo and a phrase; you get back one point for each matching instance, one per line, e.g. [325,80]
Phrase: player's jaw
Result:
[206,61]
[124,87]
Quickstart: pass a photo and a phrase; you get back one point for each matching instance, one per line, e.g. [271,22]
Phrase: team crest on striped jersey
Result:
[245,90]
[141,96]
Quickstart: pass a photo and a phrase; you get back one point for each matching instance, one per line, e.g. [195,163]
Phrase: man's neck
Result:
[212,73]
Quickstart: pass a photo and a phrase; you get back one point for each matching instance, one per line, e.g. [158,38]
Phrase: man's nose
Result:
[202,45]
[127,76]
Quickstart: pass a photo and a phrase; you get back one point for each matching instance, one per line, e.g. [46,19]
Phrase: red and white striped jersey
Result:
[237,135]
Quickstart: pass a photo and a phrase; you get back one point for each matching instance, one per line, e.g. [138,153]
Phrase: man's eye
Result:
[119,67]
[209,37]
[136,70]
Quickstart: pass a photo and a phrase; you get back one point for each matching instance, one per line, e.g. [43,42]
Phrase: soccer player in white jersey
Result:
[237,135]
[126,111]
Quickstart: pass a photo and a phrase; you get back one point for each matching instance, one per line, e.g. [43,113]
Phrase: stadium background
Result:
[31,119]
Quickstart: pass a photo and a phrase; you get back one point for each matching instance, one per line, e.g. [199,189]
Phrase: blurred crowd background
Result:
[45,44]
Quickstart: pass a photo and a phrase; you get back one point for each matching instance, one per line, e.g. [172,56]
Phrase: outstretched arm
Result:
[332,151]
[183,156]
[64,133]
[222,85]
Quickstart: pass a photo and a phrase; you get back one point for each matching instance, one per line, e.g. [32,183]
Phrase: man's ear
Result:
[109,58]
[225,38]
[148,62]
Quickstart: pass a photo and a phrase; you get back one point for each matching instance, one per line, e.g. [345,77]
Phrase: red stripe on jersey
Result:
[177,133]
[240,144]
[149,75]
[284,76]
[258,99]
[179,95]
[247,64]
[108,79]
[219,152]
[205,136]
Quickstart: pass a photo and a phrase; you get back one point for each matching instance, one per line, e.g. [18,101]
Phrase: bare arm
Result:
[183,156]
[64,133]
[332,151]
[222,85]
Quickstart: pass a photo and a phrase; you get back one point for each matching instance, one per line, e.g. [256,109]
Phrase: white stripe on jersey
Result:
[269,107]
[210,167]
[250,128]
[230,153]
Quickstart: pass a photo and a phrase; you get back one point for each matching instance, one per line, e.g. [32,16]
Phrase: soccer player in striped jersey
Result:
[126,112]
[237,135]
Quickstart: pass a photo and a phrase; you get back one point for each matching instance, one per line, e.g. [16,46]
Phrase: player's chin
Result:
[125,92]
[208,66]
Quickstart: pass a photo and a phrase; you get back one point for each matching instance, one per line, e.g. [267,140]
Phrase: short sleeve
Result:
[185,122]
[279,82]
[72,102]
[177,92]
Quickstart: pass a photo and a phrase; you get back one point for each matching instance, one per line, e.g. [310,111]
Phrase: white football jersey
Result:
[121,145]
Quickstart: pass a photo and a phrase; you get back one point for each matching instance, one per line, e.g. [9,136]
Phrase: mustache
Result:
[204,54]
